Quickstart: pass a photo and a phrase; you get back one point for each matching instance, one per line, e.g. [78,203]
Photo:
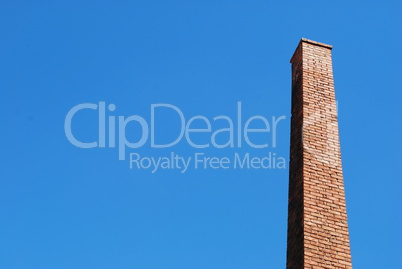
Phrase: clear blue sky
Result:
[67,207]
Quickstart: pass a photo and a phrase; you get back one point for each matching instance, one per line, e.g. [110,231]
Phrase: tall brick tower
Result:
[317,223]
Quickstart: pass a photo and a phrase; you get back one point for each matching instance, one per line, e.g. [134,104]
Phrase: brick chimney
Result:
[317,223]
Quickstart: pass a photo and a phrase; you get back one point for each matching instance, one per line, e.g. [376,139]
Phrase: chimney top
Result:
[305,40]
[315,43]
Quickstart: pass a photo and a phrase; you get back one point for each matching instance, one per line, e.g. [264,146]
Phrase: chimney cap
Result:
[305,40]
[315,43]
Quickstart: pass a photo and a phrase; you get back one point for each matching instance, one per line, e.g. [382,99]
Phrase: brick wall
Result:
[317,222]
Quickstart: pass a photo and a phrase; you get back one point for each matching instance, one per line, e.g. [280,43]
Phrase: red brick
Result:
[318,234]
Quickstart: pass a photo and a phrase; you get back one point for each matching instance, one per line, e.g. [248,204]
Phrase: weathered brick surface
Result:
[317,222]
